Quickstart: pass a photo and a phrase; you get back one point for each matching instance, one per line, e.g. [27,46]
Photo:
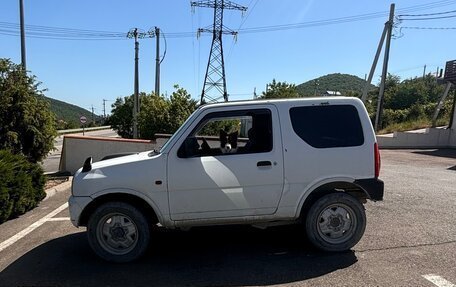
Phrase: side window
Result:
[228,133]
[328,126]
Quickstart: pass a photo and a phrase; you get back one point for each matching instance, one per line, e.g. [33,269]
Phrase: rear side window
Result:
[328,126]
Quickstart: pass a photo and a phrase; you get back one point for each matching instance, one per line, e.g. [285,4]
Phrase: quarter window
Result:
[328,126]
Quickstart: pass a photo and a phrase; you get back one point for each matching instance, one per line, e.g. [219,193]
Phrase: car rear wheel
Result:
[118,232]
[335,222]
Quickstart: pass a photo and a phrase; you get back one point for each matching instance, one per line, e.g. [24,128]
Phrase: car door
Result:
[245,178]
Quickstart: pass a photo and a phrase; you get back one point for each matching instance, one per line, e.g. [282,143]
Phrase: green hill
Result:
[343,83]
[69,113]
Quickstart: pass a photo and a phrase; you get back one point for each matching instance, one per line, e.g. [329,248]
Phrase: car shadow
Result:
[449,153]
[215,256]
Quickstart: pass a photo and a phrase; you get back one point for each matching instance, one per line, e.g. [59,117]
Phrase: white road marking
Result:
[59,219]
[438,281]
[5,244]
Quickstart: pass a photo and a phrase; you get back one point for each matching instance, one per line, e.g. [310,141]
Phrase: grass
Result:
[412,125]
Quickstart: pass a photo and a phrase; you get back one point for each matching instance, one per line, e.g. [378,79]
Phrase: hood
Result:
[121,160]
[132,172]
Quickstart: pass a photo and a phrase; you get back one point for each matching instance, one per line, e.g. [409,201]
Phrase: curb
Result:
[58,188]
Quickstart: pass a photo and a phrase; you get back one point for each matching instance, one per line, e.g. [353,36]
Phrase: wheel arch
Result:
[148,208]
[327,187]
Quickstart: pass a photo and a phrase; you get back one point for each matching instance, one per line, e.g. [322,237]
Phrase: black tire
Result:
[335,222]
[118,232]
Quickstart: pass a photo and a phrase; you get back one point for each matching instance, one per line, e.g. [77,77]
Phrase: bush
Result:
[391,116]
[21,185]
[416,112]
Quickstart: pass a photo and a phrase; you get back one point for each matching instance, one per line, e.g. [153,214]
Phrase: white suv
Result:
[308,161]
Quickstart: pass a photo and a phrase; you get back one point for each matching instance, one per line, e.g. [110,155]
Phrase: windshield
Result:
[181,128]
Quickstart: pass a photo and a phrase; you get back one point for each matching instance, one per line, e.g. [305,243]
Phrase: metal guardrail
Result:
[72,131]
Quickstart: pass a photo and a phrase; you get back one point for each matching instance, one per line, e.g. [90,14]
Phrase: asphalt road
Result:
[410,240]
[51,162]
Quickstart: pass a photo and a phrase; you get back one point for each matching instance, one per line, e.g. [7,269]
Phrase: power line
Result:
[428,14]
[428,18]
[63,30]
[248,13]
[430,28]
[60,33]
[420,17]
[64,39]
[242,23]
[35,31]
[332,21]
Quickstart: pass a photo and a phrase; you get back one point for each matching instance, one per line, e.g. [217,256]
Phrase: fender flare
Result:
[118,191]
[309,189]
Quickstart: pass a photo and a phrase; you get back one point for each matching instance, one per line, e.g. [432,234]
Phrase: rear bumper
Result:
[374,187]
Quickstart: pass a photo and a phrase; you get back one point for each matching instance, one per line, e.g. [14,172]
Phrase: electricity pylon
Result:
[214,87]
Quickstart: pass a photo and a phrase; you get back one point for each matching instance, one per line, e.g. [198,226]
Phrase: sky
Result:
[86,71]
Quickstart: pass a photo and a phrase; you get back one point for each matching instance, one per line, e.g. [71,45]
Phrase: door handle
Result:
[264,163]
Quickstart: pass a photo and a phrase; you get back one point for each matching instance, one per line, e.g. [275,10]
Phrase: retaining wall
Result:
[428,138]
[76,149]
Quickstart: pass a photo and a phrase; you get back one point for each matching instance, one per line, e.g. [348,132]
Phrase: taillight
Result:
[377,160]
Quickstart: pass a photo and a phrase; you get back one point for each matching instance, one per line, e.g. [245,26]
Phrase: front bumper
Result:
[76,206]
[374,187]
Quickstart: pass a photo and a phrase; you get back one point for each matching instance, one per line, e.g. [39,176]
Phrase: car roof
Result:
[286,102]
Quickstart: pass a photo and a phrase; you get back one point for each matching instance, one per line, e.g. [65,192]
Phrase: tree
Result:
[416,91]
[161,115]
[27,125]
[181,107]
[279,90]
[157,113]
[121,119]
[410,100]
[154,116]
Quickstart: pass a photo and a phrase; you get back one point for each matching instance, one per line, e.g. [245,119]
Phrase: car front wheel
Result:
[335,222]
[118,232]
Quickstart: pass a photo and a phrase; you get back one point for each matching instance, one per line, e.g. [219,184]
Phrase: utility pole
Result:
[93,121]
[136,88]
[255,96]
[424,71]
[135,34]
[104,109]
[215,71]
[374,64]
[157,62]
[450,78]
[453,112]
[440,104]
[21,11]
[389,25]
